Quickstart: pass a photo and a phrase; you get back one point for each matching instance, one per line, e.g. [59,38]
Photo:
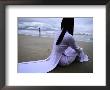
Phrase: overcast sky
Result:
[80,24]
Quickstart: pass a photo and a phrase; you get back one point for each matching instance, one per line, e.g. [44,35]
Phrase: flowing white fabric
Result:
[62,54]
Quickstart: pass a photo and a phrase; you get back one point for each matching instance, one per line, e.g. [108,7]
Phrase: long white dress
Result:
[63,54]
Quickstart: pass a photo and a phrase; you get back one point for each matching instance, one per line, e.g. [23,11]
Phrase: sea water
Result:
[47,33]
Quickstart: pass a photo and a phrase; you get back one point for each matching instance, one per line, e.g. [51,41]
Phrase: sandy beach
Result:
[39,48]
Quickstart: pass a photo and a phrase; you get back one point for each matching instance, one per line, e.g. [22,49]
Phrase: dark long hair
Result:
[67,25]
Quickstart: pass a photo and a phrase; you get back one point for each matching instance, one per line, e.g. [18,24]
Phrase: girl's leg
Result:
[67,57]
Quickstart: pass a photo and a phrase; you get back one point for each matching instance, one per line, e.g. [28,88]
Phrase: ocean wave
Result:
[78,36]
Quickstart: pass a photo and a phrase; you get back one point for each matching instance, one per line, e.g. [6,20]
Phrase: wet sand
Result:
[31,48]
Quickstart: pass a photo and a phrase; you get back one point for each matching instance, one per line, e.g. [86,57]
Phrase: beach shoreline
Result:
[32,48]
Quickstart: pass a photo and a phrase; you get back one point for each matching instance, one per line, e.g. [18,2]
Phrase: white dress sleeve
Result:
[41,66]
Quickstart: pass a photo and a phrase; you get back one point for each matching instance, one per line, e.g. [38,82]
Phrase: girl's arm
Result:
[73,45]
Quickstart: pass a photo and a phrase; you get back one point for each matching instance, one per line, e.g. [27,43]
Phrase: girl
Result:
[64,51]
